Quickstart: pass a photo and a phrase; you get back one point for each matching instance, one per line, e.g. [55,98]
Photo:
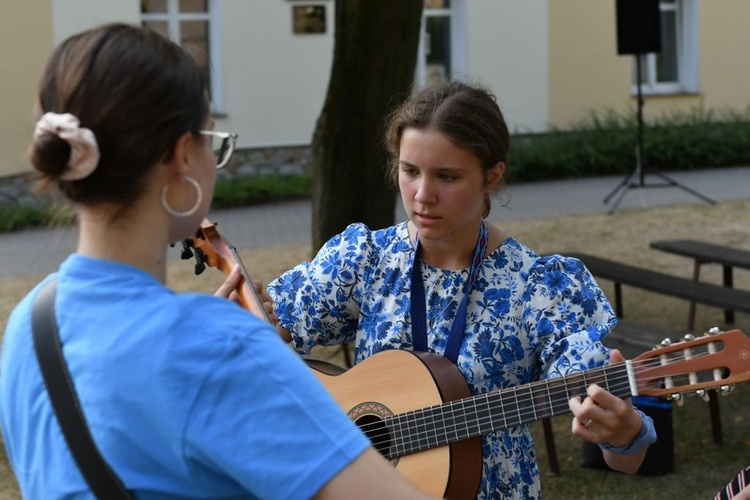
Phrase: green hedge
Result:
[604,143]
[260,189]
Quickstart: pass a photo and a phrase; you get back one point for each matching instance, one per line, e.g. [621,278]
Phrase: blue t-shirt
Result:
[186,395]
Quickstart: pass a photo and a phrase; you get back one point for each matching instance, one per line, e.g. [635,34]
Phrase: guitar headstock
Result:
[210,249]
[202,248]
[713,360]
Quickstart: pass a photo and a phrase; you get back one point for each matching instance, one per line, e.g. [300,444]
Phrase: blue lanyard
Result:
[418,301]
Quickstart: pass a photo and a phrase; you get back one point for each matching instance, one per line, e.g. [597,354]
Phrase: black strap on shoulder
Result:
[102,480]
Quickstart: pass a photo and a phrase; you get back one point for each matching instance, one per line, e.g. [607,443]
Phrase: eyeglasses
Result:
[223,145]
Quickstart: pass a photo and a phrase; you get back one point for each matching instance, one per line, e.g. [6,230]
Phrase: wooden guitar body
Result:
[417,409]
[397,382]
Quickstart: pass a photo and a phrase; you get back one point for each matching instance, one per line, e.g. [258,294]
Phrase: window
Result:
[441,52]
[675,68]
[193,24]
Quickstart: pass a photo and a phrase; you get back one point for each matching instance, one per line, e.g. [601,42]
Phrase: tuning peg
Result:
[676,398]
[724,390]
[186,254]
[200,261]
[688,337]
[702,394]
[665,343]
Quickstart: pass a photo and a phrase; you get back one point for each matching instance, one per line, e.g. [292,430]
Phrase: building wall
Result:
[585,71]
[549,63]
[724,73]
[587,74]
[73,16]
[275,81]
[507,49]
[25,42]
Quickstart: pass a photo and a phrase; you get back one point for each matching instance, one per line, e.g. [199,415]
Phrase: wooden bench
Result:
[633,338]
[666,284]
[707,253]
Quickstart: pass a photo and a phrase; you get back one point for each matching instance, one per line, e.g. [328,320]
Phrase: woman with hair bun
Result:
[183,394]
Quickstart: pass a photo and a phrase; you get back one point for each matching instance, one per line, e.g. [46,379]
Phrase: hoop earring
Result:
[186,213]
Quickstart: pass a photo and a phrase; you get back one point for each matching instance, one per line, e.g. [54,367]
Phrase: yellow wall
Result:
[550,61]
[724,71]
[25,43]
[587,73]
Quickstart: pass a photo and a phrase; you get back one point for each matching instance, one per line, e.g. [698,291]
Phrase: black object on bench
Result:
[707,253]
[675,286]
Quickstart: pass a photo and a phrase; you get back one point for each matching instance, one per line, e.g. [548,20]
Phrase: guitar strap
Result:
[418,300]
[102,480]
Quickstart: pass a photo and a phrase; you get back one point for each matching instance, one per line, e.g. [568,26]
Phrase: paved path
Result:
[40,251]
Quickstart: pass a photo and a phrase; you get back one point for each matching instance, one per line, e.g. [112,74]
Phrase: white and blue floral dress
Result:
[529,317]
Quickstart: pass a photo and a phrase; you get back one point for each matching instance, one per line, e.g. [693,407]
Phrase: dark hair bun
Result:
[50,155]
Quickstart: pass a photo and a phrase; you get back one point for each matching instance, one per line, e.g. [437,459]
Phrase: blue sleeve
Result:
[570,314]
[316,301]
[263,418]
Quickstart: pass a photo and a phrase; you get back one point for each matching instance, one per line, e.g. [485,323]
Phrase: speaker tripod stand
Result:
[637,178]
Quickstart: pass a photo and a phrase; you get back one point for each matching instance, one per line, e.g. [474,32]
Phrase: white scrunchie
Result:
[84,151]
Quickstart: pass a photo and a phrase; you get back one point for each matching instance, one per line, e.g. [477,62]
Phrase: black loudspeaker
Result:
[638,26]
[659,456]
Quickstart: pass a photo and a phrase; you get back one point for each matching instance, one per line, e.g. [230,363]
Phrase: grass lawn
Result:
[701,467]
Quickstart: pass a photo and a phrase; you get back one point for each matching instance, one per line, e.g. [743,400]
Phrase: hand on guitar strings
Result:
[603,417]
[228,290]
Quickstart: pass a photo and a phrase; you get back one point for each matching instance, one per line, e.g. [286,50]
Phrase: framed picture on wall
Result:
[309,19]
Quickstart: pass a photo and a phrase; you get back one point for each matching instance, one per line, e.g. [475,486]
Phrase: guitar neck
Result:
[447,423]
[249,297]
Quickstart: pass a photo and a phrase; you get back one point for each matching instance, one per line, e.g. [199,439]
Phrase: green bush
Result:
[260,189]
[602,144]
[15,218]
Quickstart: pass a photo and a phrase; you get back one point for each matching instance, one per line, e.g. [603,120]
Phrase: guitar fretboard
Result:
[443,424]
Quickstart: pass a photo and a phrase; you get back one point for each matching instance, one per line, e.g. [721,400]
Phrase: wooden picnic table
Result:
[707,253]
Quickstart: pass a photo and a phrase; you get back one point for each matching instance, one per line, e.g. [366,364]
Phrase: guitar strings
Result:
[462,428]
[415,433]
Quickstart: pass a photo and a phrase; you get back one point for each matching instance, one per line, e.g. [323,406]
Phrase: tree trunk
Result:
[375,52]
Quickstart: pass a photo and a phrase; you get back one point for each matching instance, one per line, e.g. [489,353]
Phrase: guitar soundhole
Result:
[369,417]
[375,429]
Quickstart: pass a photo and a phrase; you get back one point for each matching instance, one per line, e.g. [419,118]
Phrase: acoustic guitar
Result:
[417,409]
[418,412]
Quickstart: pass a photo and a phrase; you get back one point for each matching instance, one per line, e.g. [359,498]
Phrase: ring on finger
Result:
[588,423]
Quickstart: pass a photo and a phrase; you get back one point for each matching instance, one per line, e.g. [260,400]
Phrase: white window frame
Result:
[457,15]
[687,53]
[173,17]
